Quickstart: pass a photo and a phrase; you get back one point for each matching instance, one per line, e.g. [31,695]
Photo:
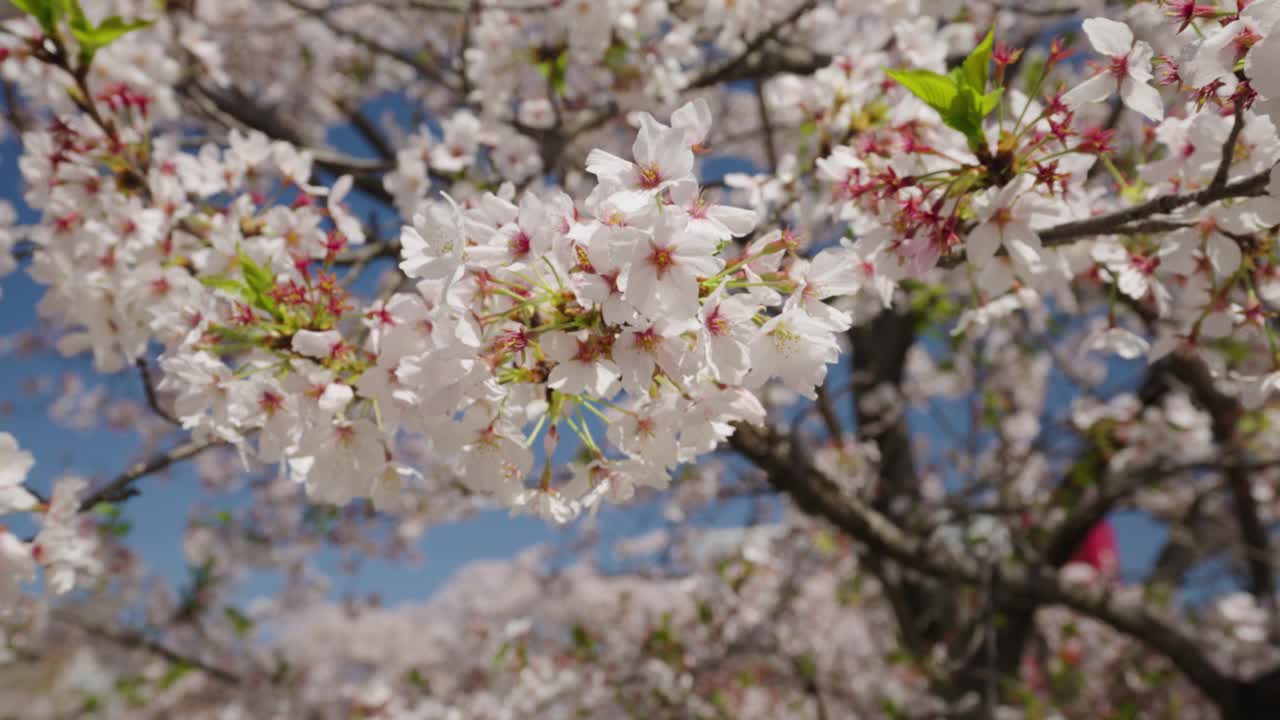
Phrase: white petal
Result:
[315,344]
[1224,253]
[607,165]
[1139,64]
[1260,66]
[1108,36]
[739,221]
[1095,89]
[982,243]
[1142,98]
[1024,247]
[340,190]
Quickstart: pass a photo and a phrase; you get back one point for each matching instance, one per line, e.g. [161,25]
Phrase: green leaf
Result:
[46,12]
[960,96]
[78,20]
[615,58]
[553,69]
[174,674]
[259,282]
[978,63]
[991,101]
[130,689]
[937,91]
[27,6]
[240,622]
[966,114]
[963,114]
[258,278]
[92,39]
[228,335]
[218,282]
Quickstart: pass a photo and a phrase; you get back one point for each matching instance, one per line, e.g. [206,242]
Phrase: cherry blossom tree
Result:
[933,290]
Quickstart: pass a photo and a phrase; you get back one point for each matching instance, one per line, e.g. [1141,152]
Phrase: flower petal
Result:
[1108,36]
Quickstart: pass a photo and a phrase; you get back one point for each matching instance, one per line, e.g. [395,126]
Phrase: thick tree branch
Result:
[817,494]
[1225,412]
[1115,222]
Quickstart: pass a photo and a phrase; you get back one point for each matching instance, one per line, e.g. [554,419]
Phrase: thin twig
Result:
[1229,149]
[121,488]
[133,639]
[149,388]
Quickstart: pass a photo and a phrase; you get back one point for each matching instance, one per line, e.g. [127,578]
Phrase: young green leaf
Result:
[959,104]
[259,282]
[76,17]
[240,623]
[218,282]
[553,69]
[92,39]
[258,278]
[991,101]
[46,12]
[978,63]
[937,91]
[966,116]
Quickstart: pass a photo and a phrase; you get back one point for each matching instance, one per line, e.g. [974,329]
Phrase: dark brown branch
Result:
[245,111]
[1225,412]
[128,638]
[373,45]
[149,389]
[726,71]
[766,124]
[818,495]
[121,488]
[1229,149]
[1113,222]
[371,133]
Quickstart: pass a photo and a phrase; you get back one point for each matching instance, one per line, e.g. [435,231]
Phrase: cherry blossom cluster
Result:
[916,193]
[619,320]
[65,548]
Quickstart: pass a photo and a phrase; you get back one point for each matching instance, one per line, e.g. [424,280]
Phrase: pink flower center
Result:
[662,259]
[717,324]
[647,341]
[270,402]
[344,434]
[1119,67]
[1144,265]
[586,353]
[646,426]
[650,176]
[519,245]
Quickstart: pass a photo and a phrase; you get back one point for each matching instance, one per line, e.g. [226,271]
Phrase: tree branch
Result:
[149,389]
[1114,222]
[727,70]
[818,495]
[121,488]
[133,639]
[1229,149]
